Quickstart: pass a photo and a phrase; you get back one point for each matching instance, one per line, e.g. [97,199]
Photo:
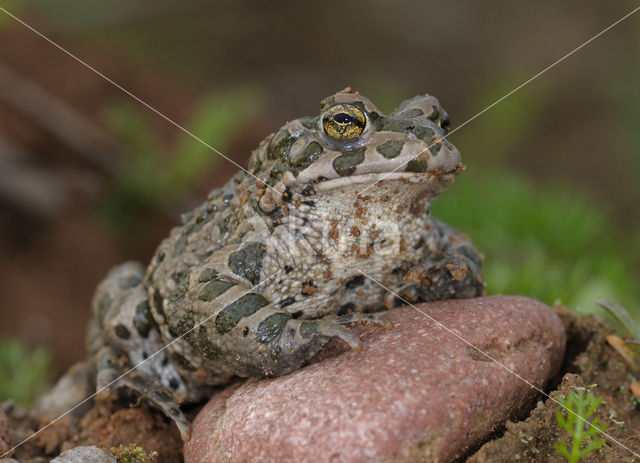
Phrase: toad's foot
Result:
[267,341]
[331,326]
[334,323]
[113,373]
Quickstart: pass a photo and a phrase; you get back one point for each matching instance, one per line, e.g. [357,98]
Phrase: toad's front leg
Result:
[451,271]
[252,337]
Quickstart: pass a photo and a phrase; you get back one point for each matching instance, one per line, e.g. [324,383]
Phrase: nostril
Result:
[410,127]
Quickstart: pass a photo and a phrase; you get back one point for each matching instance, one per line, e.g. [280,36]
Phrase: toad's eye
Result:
[343,122]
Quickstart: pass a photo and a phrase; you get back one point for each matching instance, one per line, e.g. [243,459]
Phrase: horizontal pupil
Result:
[343,118]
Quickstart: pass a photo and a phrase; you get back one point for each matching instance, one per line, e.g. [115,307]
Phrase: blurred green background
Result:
[90,177]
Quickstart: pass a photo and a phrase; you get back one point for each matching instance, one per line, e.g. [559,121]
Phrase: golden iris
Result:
[344,122]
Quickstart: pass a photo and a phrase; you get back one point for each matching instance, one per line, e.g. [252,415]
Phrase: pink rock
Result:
[414,393]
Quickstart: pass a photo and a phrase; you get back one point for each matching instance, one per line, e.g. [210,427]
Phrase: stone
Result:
[69,394]
[414,393]
[88,454]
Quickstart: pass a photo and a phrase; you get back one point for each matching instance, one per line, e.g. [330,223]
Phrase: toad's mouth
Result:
[370,179]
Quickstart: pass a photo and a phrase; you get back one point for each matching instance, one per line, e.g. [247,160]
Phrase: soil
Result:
[106,425]
[590,362]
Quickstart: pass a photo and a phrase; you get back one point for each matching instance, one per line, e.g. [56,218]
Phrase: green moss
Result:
[25,372]
[133,192]
[133,453]
[546,241]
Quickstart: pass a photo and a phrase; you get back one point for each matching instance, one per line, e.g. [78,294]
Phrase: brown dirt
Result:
[106,425]
[589,361]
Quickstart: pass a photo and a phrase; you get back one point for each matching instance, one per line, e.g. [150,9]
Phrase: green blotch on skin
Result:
[125,283]
[202,217]
[143,321]
[390,149]
[140,380]
[181,246]
[271,327]
[424,134]
[207,275]
[435,113]
[178,293]
[280,145]
[277,171]
[247,262]
[413,112]
[182,284]
[187,230]
[417,165]
[184,325]
[122,331]
[180,277]
[182,362]
[308,329]
[205,257]
[328,101]
[346,164]
[204,345]
[104,304]
[308,156]
[309,122]
[213,290]
[157,394]
[231,315]
[157,303]
[224,225]
[391,125]
[360,106]
[435,148]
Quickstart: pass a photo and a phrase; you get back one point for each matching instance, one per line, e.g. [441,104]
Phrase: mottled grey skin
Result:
[307,230]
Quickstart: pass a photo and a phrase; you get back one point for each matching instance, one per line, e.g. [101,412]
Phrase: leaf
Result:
[561,448]
[218,117]
[580,425]
[620,346]
[623,317]
[634,346]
